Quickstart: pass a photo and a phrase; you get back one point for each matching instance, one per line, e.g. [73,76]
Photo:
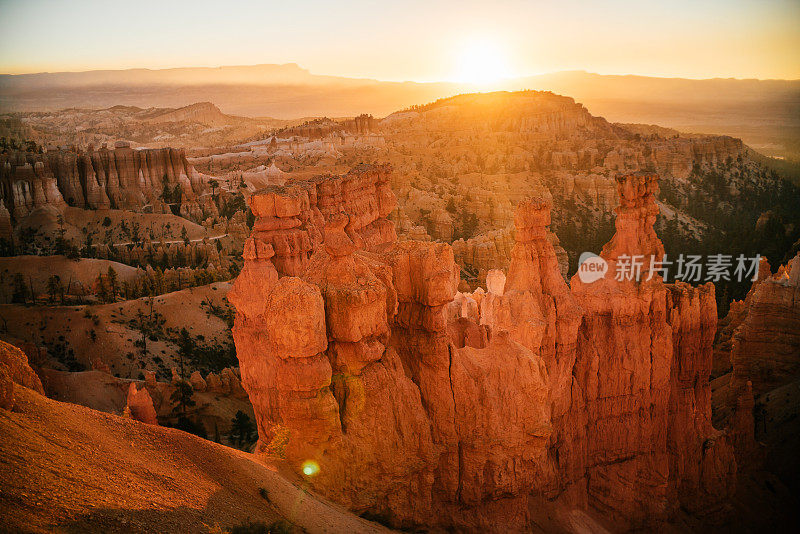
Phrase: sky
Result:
[410,40]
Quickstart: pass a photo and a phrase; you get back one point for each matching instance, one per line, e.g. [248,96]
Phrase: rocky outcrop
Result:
[26,184]
[336,381]
[15,361]
[534,305]
[121,178]
[6,229]
[492,250]
[139,406]
[398,396]
[6,390]
[14,369]
[198,382]
[330,379]
[701,463]
[760,350]
[291,218]
[594,189]
[728,325]
[766,345]
[644,359]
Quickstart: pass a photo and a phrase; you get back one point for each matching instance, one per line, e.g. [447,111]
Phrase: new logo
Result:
[591,267]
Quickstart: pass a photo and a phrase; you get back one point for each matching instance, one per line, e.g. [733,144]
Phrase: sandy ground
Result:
[103,392]
[66,468]
[77,276]
[75,220]
[113,337]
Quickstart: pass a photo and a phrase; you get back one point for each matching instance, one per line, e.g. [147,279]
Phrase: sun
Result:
[482,61]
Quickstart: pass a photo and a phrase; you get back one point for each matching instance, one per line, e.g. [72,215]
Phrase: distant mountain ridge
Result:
[201,112]
[285,73]
[764,113]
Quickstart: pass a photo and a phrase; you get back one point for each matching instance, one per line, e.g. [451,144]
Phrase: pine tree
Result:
[242,428]
[185,348]
[182,396]
[113,283]
[53,287]
[20,294]
[102,289]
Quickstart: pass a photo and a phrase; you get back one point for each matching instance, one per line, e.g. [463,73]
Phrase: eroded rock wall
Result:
[120,178]
[760,350]
[398,396]
[645,352]
[291,218]
[766,345]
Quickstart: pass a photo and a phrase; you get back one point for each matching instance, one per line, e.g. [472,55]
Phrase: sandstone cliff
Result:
[766,345]
[395,395]
[760,350]
[291,218]
[120,178]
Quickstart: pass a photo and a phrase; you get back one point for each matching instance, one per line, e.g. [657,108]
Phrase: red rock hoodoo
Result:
[642,371]
[139,405]
[397,396]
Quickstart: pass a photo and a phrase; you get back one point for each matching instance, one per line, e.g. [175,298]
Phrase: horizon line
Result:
[367,78]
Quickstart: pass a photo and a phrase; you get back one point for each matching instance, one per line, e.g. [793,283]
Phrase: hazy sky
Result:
[409,40]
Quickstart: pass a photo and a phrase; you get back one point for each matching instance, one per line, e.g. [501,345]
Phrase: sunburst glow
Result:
[482,61]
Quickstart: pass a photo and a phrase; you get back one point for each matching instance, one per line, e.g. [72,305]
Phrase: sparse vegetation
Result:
[182,397]
[242,429]
[278,527]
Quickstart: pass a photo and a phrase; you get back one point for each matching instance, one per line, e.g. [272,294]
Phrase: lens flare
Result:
[310,468]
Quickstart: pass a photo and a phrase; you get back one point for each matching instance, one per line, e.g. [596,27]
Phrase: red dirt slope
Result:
[66,468]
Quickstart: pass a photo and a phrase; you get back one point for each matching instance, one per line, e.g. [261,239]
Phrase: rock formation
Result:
[701,465]
[398,396]
[290,218]
[14,369]
[766,345]
[15,361]
[121,178]
[643,363]
[760,350]
[492,250]
[139,405]
[150,400]
[198,382]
